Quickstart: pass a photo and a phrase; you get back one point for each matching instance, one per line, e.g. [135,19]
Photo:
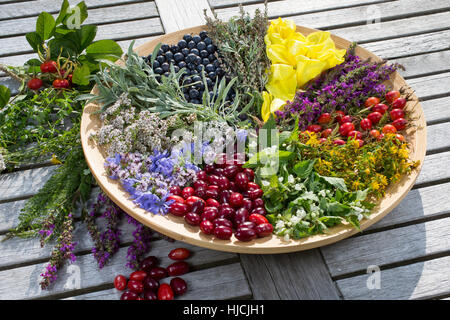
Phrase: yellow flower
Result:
[355,185]
[367,171]
[403,153]
[312,141]
[55,160]
[374,185]
[270,105]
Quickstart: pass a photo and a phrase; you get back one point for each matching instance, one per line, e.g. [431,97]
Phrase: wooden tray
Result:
[176,228]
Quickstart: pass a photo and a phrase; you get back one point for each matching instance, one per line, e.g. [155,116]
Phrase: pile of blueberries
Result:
[195,53]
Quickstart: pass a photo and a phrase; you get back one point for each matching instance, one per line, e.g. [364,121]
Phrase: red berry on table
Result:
[230,171]
[264,230]
[374,133]
[247,203]
[150,295]
[34,84]
[326,133]
[400,137]
[149,263]
[400,124]
[176,198]
[212,203]
[255,194]
[324,118]
[250,174]
[150,284]
[223,232]
[240,216]
[392,95]
[396,114]
[158,273]
[135,286]
[399,103]
[366,124]
[257,218]
[259,210]
[192,199]
[380,107]
[207,227]
[210,213]
[165,292]
[345,128]
[178,285]
[374,117]
[222,222]
[258,202]
[247,224]
[389,129]
[198,207]
[120,282]
[179,254]
[314,128]
[372,101]
[355,134]
[199,184]
[175,190]
[201,175]
[178,268]
[49,67]
[139,275]
[241,180]
[129,295]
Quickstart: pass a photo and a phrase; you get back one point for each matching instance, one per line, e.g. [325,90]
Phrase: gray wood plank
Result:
[25,183]
[24,9]
[23,282]
[202,285]
[422,280]
[292,276]
[9,214]
[178,15]
[424,64]
[388,247]
[437,137]
[436,110]
[410,45]
[12,84]
[117,31]
[98,16]
[395,29]
[431,86]
[423,203]
[435,168]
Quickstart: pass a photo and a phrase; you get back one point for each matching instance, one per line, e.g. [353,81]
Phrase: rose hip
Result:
[192,219]
[178,268]
[264,229]
[149,263]
[207,227]
[120,282]
[178,285]
[223,232]
[139,275]
[179,254]
[158,273]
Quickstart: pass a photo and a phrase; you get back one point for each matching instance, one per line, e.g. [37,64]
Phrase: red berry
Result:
[178,209]
[245,234]
[241,180]
[372,101]
[257,218]
[148,263]
[222,222]
[210,213]
[139,275]
[192,199]
[158,273]
[314,128]
[213,203]
[339,142]
[381,108]
[199,184]
[346,119]
[366,124]
[389,129]
[150,295]
[396,114]
[264,229]
[247,224]
[361,142]
[35,84]
[176,198]
[49,67]
[400,137]
[226,212]
[178,285]
[236,199]
[400,124]
[255,193]
[392,95]
[223,232]
[230,171]
[399,103]
[129,295]
[339,115]
[192,218]
[355,134]
[345,128]
[207,227]
[150,284]
[375,117]
[240,216]
[250,174]
[175,190]
[326,133]
[198,207]
[178,268]
[165,292]
[135,286]
[61,84]
[120,282]
[187,192]
[201,175]
[374,133]
[179,254]
[324,118]
[258,203]
[259,210]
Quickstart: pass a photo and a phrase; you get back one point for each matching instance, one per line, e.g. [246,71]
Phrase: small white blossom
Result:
[291,179]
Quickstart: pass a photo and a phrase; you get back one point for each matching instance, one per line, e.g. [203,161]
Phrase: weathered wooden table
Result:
[404,256]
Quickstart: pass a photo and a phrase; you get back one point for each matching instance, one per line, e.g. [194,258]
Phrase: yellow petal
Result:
[265,109]
[276,104]
[282,81]
[278,54]
[308,69]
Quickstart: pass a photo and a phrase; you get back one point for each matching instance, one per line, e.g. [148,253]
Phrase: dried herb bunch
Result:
[243,51]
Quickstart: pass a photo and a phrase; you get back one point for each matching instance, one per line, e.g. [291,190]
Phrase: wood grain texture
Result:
[423,64]
[219,283]
[388,247]
[178,15]
[25,183]
[435,168]
[9,214]
[290,276]
[22,282]
[437,110]
[97,16]
[431,86]
[422,280]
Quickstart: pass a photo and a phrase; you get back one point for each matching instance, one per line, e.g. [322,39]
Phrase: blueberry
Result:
[196,78]
[207,41]
[182,44]
[178,56]
[159,71]
[212,75]
[195,51]
[165,66]
[210,48]
[160,52]
[205,61]
[160,59]
[209,83]
[191,66]
[201,46]
[187,37]
[185,51]
[195,101]
[211,57]
[187,81]
[220,72]
[156,64]
[200,87]
[209,68]
[191,44]
[216,64]
[193,93]
[186,96]
[182,64]
[176,68]
[169,55]
[166,74]
[174,48]
[197,60]
[204,54]
[203,34]
[149,57]
[196,39]
[200,67]
[190,58]
[165,47]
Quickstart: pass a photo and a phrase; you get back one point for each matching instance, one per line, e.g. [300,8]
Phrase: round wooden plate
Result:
[176,228]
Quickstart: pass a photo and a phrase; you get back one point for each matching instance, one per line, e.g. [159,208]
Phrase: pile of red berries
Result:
[52,73]
[370,126]
[144,283]
[223,200]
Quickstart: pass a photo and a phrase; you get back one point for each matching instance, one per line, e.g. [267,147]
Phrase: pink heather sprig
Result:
[62,252]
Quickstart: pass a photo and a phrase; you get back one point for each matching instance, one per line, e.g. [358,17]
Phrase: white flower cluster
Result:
[126,130]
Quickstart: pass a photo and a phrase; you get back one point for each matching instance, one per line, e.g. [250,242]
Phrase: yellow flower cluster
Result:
[295,60]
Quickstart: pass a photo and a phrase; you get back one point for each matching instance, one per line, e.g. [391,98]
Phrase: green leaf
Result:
[81,75]
[104,49]
[45,25]
[5,95]
[33,66]
[87,35]
[304,168]
[362,194]
[35,40]
[62,12]
[338,183]
[353,220]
